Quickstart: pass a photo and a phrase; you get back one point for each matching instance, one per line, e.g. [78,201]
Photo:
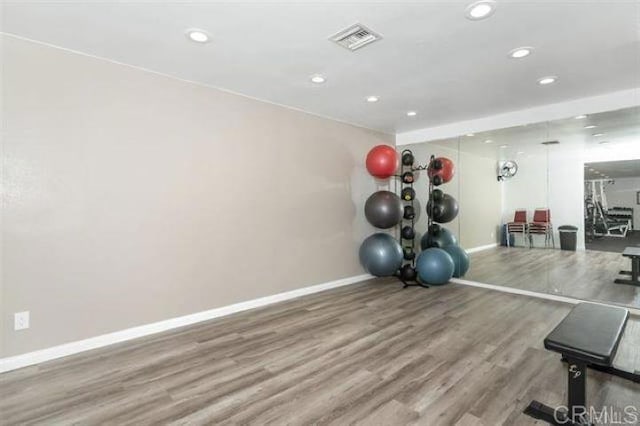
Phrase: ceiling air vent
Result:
[355,37]
[550,143]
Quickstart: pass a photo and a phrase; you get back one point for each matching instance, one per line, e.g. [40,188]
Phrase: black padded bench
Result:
[587,337]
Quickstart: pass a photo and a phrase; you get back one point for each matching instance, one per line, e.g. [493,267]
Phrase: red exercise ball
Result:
[441,170]
[382,161]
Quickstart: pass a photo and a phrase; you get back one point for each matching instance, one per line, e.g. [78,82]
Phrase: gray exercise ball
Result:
[383,209]
[381,255]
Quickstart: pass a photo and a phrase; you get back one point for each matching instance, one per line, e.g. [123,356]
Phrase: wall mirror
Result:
[550,207]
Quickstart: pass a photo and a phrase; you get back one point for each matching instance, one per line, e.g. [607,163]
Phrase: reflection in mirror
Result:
[605,183]
[559,201]
[504,188]
[423,151]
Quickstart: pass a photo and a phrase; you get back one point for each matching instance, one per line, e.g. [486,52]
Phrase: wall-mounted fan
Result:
[507,169]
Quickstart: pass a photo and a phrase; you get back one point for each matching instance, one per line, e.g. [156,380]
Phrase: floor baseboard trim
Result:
[55,352]
[546,296]
[481,248]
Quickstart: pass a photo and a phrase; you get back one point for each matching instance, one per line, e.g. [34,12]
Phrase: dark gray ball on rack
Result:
[408,273]
[408,233]
[443,211]
[407,159]
[409,212]
[383,209]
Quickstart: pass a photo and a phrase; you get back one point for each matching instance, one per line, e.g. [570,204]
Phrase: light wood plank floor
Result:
[586,275]
[370,353]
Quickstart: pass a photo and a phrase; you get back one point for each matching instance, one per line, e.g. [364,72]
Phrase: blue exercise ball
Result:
[435,266]
[438,236]
[460,260]
[381,255]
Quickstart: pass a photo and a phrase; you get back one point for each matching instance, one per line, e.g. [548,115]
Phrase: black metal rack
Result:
[412,169]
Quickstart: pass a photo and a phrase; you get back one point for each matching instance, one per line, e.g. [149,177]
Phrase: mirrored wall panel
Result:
[551,207]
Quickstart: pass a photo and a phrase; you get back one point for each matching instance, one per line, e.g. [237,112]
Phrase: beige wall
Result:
[132,197]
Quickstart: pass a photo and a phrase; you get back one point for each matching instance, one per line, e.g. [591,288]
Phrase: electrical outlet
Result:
[21,320]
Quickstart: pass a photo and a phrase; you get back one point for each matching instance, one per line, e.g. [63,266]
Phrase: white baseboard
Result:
[546,296]
[39,356]
[481,248]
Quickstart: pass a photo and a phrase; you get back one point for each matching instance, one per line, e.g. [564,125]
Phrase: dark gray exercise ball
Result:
[443,211]
[383,209]
[380,255]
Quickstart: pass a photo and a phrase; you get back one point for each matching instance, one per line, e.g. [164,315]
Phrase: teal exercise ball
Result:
[460,260]
[439,237]
[381,255]
[435,266]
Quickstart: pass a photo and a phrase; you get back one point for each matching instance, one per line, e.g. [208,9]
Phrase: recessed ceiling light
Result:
[372,99]
[488,141]
[603,142]
[504,146]
[520,152]
[547,80]
[520,52]
[580,117]
[470,134]
[597,135]
[480,10]
[318,79]
[412,113]
[590,126]
[198,36]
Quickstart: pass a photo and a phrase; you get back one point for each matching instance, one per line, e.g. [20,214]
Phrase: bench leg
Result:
[577,386]
[576,410]
[635,273]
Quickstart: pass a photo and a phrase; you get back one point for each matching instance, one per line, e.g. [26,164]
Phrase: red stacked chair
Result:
[518,226]
[541,225]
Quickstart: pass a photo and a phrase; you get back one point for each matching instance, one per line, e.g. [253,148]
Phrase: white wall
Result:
[526,190]
[623,194]
[566,190]
[555,180]
[620,151]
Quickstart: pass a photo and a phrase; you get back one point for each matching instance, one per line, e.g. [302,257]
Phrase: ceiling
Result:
[431,58]
[613,170]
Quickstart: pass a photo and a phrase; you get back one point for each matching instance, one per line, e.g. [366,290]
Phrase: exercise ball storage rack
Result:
[403,169]
[396,211]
